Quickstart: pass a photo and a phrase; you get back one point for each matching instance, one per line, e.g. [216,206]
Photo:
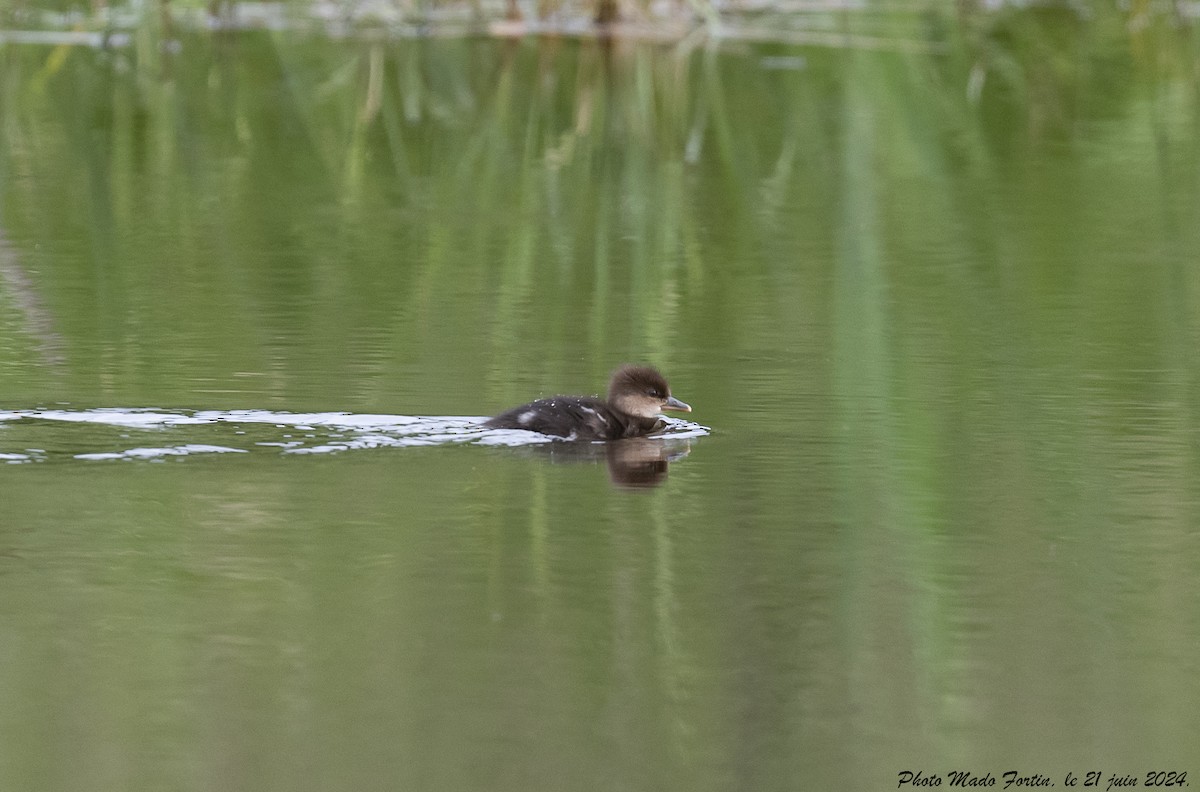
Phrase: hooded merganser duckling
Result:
[636,396]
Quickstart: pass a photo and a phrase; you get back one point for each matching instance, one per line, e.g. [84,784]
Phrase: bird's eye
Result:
[655,393]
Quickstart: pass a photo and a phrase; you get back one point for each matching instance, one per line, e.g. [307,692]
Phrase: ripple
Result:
[121,433]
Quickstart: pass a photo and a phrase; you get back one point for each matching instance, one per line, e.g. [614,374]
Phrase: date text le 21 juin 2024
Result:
[1012,778]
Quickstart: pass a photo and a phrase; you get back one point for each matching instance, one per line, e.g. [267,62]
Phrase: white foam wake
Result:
[245,431]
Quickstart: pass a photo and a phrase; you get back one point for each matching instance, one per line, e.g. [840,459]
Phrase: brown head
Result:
[642,391]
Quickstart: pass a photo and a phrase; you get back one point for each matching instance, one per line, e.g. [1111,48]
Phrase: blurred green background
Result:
[928,271]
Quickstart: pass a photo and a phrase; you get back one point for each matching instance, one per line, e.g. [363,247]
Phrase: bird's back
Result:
[572,418]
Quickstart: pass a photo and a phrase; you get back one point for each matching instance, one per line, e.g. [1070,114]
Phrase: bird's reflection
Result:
[633,463]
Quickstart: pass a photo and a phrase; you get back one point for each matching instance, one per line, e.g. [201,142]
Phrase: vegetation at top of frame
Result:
[883,24]
[537,194]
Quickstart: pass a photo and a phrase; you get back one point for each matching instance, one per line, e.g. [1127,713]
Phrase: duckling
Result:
[636,397]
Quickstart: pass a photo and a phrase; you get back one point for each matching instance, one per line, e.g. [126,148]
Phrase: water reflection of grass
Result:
[920,262]
[566,194]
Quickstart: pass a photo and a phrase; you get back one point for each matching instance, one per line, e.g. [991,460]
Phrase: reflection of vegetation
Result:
[36,323]
[954,295]
[448,172]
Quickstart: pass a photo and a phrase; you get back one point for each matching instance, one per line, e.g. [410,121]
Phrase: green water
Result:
[943,329]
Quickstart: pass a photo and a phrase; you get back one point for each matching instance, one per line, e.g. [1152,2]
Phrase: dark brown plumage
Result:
[636,396]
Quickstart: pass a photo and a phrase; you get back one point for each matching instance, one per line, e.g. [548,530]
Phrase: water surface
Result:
[937,315]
